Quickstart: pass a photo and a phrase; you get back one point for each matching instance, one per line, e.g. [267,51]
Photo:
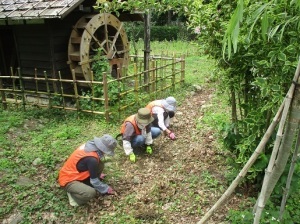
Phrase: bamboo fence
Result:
[109,97]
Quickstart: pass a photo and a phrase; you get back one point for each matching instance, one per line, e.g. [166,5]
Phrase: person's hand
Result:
[102,176]
[149,149]
[110,190]
[132,157]
[172,136]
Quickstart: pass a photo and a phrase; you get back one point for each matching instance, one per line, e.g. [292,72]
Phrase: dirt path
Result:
[182,179]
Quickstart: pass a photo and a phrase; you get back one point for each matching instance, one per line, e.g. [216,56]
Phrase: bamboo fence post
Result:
[62,91]
[76,92]
[182,67]
[173,73]
[105,93]
[48,90]
[247,166]
[3,97]
[260,204]
[22,88]
[289,179]
[14,86]
[36,84]
[93,93]
[156,78]
[136,83]
[119,91]
[152,76]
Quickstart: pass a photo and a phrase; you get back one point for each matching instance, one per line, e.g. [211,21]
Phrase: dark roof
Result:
[45,9]
[36,9]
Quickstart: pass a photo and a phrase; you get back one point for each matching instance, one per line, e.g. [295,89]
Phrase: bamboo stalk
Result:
[246,167]
[260,204]
[289,179]
[22,88]
[62,91]
[3,97]
[105,93]
[75,91]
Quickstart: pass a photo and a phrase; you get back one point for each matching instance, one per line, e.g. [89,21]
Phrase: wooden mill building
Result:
[49,36]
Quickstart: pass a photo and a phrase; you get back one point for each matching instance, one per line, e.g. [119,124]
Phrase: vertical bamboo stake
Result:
[14,87]
[48,89]
[62,91]
[173,73]
[289,179]
[246,168]
[119,91]
[136,83]
[3,97]
[22,88]
[182,62]
[76,92]
[152,76]
[36,85]
[105,93]
[93,93]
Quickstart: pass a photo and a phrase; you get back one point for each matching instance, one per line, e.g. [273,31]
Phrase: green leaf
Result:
[264,25]
[281,56]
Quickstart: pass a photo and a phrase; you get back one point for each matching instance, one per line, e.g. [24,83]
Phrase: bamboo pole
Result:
[260,204]
[48,89]
[76,92]
[14,86]
[3,97]
[289,179]
[93,91]
[62,91]
[105,93]
[182,68]
[247,166]
[22,88]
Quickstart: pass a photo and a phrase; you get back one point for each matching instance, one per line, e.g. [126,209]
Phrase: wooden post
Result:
[3,98]
[93,93]
[182,72]
[173,73]
[75,90]
[22,88]
[14,87]
[136,84]
[105,93]
[147,19]
[62,91]
[48,89]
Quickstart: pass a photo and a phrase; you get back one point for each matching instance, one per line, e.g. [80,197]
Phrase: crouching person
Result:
[137,132]
[81,175]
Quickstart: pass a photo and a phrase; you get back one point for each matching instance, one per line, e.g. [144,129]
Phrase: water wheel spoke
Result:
[111,54]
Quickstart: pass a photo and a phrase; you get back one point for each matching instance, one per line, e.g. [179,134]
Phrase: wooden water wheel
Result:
[92,32]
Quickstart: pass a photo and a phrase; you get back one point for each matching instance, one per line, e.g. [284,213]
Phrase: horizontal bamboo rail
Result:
[165,73]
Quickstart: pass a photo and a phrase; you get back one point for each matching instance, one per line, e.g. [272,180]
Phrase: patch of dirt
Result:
[182,179]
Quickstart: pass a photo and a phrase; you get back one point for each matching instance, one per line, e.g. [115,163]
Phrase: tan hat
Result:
[144,116]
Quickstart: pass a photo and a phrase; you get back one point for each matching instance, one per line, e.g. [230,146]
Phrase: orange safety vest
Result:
[69,172]
[154,104]
[130,119]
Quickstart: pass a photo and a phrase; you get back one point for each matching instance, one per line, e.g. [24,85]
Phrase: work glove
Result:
[149,149]
[132,157]
[102,176]
[110,190]
[172,136]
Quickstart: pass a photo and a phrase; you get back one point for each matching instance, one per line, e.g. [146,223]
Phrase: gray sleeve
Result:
[99,186]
